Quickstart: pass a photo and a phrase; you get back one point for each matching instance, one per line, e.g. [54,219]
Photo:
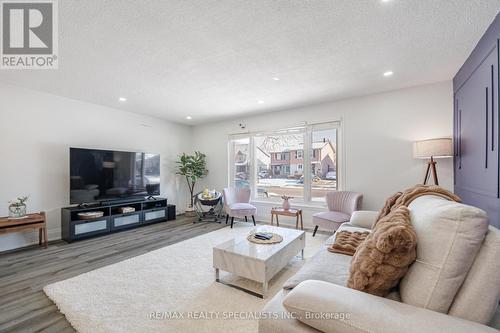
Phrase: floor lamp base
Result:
[431,167]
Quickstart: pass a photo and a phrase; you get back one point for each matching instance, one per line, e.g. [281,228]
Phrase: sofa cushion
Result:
[478,296]
[276,319]
[324,265]
[335,309]
[384,257]
[449,236]
[363,218]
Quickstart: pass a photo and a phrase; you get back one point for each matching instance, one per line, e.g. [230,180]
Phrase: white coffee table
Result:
[258,262]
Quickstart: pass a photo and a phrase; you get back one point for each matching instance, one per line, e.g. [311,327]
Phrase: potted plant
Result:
[286,202]
[17,208]
[193,167]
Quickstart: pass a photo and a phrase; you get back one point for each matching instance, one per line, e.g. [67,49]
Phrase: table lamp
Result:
[432,149]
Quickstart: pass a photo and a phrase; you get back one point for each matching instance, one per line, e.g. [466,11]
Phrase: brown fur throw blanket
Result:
[385,255]
[347,242]
[407,196]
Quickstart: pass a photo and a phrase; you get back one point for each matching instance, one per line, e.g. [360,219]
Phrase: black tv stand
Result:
[150,198]
[145,211]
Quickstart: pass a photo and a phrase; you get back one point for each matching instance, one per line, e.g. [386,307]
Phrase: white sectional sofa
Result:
[454,285]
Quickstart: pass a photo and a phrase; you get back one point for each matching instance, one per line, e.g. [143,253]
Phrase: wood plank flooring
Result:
[24,307]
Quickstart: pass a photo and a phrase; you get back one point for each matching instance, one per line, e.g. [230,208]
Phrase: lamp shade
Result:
[436,148]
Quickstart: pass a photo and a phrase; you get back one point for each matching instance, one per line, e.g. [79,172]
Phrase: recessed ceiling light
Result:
[388,73]
[122,99]
[385,0]
[276,78]
[189,117]
[260,102]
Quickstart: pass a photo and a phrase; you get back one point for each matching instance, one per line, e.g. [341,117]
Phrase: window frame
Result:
[306,159]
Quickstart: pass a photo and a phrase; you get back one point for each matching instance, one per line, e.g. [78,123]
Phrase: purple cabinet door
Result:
[476,130]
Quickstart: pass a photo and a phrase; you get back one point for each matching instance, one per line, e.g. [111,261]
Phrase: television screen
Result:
[104,175]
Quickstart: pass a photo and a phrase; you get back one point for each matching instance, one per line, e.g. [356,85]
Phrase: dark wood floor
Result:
[24,307]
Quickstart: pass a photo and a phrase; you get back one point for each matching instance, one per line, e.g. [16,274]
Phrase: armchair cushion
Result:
[241,209]
[330,220]
[332,309]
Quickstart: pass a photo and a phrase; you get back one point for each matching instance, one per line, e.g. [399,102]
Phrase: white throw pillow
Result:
[449,235]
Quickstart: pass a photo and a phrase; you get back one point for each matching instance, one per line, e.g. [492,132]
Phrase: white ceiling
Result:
[214,59]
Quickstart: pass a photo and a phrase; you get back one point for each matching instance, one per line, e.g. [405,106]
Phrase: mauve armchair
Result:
[237,204]
[341,205]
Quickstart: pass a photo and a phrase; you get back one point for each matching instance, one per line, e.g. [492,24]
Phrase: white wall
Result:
[36,131]
[378,133]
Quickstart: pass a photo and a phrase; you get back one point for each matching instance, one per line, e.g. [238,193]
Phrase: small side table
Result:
[31,222]
[297,213]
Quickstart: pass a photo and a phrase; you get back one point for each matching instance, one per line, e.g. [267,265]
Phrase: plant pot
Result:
[17,211]
[286,204]
[190,212]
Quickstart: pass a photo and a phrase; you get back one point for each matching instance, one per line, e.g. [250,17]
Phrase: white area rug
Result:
[177,279]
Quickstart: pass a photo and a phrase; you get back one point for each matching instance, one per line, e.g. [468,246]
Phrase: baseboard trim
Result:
[32,240]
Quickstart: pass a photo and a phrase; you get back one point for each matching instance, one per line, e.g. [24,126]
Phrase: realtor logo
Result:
[29,34]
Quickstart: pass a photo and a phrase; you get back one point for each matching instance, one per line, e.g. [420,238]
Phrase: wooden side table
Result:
[297,213]
[32,222]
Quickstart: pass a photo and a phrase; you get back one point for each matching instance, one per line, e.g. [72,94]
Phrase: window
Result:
[323,163]
[279,180]
[240,149]
[300,162]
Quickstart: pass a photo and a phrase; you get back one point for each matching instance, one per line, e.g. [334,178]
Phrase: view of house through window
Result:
[278,173]
[241,166]
[323,163]
[301,163]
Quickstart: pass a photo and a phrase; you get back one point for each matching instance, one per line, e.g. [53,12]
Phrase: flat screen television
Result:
[106,175]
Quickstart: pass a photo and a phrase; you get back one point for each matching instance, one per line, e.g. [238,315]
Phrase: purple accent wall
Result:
[476,126]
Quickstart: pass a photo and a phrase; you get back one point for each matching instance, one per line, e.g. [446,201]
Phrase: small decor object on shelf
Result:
[286,202]
[125,210]
[90,215]
[17,209]
[193,167]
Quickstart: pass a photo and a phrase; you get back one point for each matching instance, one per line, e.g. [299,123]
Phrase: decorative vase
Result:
[286,204]
[17,211]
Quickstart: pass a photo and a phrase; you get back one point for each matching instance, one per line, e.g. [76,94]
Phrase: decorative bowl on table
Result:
[209,198]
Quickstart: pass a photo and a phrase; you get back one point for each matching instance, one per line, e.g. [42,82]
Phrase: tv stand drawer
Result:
[125,220]
[82,228]
[155,215]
